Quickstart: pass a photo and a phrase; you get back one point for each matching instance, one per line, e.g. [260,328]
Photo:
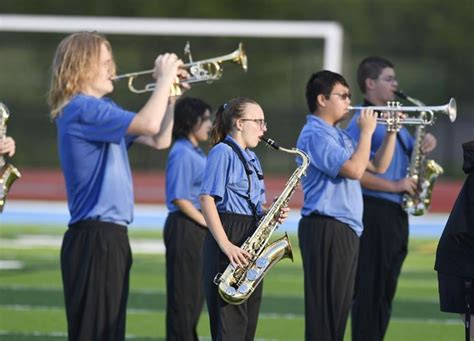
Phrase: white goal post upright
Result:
[330,31]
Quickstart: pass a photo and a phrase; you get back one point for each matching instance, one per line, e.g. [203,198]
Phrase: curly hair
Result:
[75,63]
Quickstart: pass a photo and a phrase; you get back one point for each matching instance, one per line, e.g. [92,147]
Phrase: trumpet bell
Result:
[241,57]
[451,110]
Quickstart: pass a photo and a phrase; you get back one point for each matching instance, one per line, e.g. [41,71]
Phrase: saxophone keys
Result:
[217,278]
[244,288]
[261,262]
[253,274]
[230,291]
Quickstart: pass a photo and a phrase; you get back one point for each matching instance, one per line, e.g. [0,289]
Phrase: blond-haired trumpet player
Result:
[93,137]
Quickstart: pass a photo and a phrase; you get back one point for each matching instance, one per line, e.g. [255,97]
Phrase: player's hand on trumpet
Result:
[367,121]
[168,70]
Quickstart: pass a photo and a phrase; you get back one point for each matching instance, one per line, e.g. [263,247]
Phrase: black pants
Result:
[229,322]
[184,239]
[329,250]
[383,248]
[95,264]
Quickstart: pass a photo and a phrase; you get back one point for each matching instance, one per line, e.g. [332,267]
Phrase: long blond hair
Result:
[75,63]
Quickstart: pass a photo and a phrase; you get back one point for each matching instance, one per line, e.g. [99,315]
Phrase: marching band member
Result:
[384,243]
[93,137]
[232,198]
[455,252]
[185,227]
[331,221]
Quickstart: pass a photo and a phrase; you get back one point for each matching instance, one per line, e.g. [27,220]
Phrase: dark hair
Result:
[226,116]
[371,67]
[321,83]
[187,113]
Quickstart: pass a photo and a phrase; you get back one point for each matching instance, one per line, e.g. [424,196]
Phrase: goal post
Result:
[331,32]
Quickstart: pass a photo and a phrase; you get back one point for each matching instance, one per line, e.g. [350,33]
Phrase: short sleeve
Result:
[102,121]
[179,176]
[216,174]
[327,154]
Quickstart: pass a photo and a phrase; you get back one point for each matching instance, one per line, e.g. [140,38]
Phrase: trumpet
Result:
[207,70]
[393,121]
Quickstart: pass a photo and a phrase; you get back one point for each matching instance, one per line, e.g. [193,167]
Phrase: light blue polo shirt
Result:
[92,145]
[184,171]
[225,180]
[400,160]
[325,191]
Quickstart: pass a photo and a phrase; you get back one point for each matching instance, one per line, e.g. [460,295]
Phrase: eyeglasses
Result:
[344,95]
[261,122]
[389,79]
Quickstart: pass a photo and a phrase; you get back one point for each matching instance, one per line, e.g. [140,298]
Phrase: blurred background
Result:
[429,41]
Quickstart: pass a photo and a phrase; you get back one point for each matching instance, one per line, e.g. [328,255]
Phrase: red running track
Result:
[47,184]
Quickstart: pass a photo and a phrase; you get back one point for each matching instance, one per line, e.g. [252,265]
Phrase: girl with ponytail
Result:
[232,198]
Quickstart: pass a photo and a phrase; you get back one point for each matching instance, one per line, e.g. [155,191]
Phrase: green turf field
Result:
[31,302]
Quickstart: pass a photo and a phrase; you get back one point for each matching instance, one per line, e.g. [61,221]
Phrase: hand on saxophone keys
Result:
[406,185]
[7,146]
[238,257]
[429,143]
[283,214]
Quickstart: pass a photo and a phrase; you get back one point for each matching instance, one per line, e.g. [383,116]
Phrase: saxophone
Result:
[236,284]
[8,173]
[424,171]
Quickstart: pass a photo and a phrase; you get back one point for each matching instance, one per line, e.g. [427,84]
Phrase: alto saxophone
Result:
[424,171]
[236,284]
[8,173]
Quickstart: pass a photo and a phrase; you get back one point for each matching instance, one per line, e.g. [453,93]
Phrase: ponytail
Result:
[226,115]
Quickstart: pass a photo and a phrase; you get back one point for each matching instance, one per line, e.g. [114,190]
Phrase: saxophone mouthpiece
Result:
[270,142]
[400,94]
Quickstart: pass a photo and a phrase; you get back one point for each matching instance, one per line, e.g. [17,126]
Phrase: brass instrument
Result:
[236,284]
[424,171]
[207,70]
[8,173]
[426,114]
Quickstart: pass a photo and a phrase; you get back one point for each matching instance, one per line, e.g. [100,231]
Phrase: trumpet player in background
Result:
[7,146]
[331,222]
[384,242]
[94,134]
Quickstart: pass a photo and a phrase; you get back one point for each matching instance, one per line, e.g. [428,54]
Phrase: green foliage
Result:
[430,42]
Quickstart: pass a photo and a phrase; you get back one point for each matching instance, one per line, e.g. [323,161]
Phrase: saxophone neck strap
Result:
[248,172]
